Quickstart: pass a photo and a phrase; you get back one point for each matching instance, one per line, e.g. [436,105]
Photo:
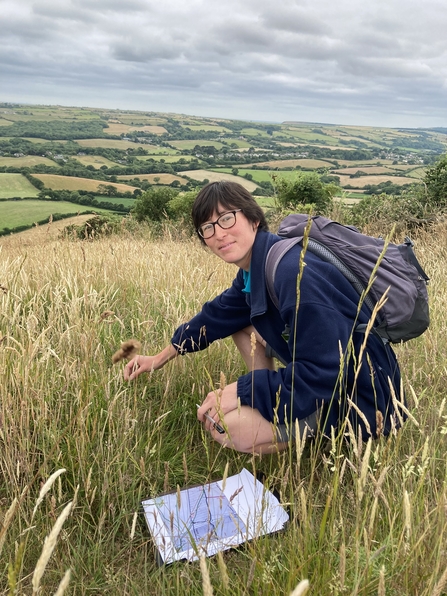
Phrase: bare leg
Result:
[248,432]
[253,352]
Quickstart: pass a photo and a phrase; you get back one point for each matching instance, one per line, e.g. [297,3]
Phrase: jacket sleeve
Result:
[219,318]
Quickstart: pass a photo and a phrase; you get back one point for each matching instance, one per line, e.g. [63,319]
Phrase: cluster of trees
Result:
[83,197]
[388,188]
[56,129]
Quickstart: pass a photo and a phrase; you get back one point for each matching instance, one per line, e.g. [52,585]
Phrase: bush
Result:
[152,205]
[382,213]
[306,189]
[94,228]
[180,206]
[436,184]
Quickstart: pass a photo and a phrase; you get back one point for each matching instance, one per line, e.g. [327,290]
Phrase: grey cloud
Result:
[57,10]
[129,52]
[299,59]
[296,20]
[112,5]
[239,35]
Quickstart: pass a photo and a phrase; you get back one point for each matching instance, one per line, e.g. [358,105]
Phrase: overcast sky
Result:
[381,63]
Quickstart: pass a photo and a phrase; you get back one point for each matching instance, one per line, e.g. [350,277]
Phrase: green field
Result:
[239,143]
[115,144]
[97,161]
[27,161]
[259,175]
[16,185]
[115,200]
[26,212]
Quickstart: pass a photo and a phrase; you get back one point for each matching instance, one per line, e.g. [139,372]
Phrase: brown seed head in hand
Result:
[127,350]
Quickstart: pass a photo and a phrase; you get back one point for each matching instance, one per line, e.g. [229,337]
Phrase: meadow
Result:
[56,182]
[258,175]
[80,448]
[27,212]
[97,161]
[27,161]
[16,185]
[159,178]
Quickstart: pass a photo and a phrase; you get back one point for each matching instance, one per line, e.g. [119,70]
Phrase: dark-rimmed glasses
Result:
[225,221]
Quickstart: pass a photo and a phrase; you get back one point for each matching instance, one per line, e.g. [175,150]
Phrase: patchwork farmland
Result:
[117,154]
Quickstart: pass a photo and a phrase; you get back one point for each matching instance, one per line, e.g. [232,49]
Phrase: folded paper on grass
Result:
[203,520]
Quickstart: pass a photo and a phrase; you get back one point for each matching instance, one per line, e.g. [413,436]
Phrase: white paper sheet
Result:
[206,519]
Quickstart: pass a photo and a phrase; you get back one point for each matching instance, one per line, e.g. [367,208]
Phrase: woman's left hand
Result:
[217,404]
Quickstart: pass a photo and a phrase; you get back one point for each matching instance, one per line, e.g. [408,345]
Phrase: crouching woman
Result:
[330,375]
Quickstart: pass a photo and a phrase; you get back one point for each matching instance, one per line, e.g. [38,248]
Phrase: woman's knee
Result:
[246,430]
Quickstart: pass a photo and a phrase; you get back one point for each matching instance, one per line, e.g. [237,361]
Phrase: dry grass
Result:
[71,183]
[364,180]
[155,178]
[365,519]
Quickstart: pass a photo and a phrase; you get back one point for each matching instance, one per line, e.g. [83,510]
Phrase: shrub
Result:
[436,184]
[382,213]
[180,206]
[94,228]
[306,189]
[152,205]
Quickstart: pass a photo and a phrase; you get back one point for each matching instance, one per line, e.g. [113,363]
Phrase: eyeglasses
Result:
[224,221]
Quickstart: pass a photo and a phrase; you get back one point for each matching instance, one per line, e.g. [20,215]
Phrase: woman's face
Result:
[233,245]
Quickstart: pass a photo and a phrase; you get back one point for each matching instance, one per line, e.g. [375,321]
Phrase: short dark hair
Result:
[230,195]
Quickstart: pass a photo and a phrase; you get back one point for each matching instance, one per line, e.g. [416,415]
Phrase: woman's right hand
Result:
[140,364]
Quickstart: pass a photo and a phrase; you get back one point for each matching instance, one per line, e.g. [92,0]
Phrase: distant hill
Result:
[92,149]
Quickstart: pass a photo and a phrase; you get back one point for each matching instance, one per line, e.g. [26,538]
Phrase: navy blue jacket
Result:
[321,352]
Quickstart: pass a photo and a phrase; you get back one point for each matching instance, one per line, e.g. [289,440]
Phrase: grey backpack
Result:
[405,314]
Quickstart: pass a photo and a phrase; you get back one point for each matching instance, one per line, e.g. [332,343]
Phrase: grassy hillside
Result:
[27,212]
[365,518]
[16,185]
[56,182]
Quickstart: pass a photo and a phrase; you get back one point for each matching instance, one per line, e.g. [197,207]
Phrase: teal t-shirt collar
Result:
[247,280]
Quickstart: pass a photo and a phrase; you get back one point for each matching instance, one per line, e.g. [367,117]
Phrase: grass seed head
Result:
[127,350]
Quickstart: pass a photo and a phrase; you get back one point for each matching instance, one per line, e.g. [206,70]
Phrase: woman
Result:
[322,382]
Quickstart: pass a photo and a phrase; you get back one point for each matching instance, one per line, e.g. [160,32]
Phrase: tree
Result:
[152,205]
[181,206]
[306,189]
[436,183]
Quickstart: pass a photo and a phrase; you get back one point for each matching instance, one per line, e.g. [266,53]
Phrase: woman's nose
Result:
[220,232]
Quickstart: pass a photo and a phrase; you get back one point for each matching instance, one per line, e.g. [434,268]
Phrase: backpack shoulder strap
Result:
[274,256]
[278,250]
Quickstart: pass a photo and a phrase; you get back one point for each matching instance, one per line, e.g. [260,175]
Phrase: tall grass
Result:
[365,519]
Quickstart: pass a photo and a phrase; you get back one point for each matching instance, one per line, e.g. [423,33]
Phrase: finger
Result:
[136,372]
